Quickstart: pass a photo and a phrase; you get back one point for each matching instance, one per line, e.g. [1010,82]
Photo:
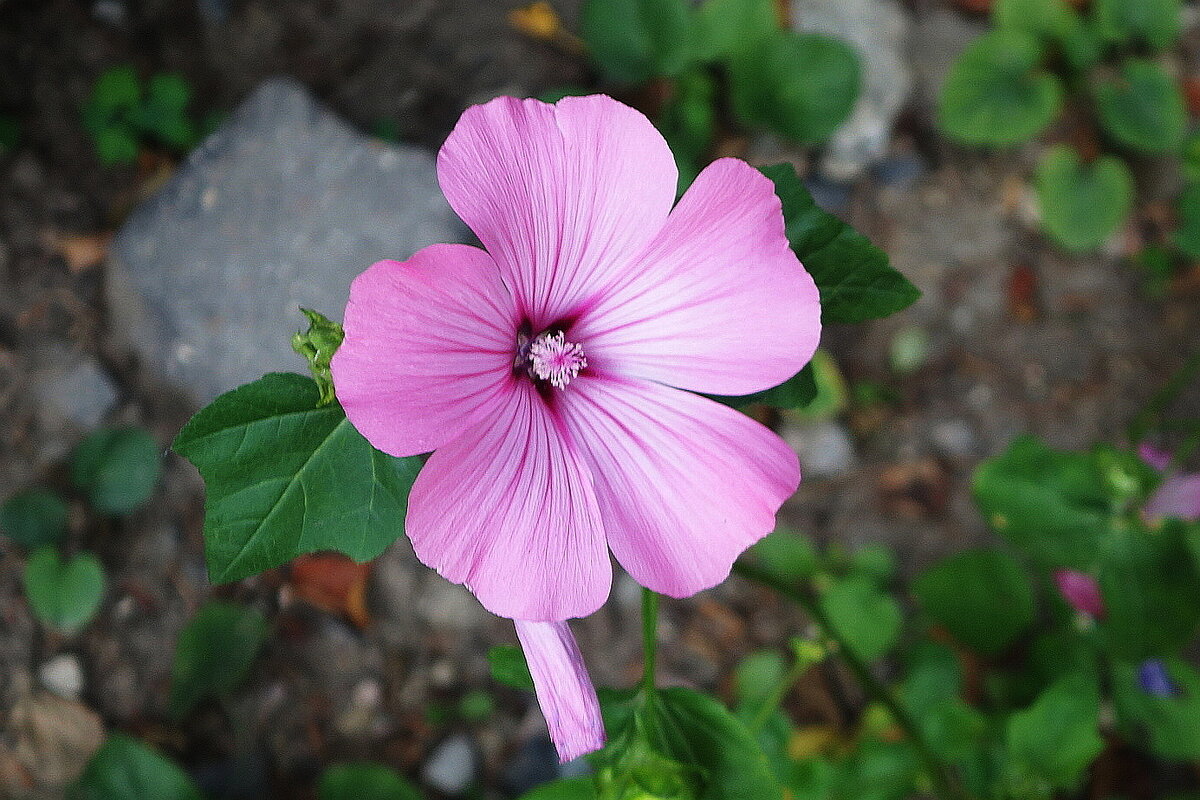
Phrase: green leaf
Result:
[1191,158]
[1048,19]
[508,666]
[116,93]
[1187,236]
[982,597]
[874,561]
[1050,504]
[64,595]
[1155,23]
[1143,108]
[1083,205]
[688,122]
[1082,46]
[1170,726]
[566,789]
[632,41]
[867,619]
[1151,591]
[116,144]
[854,277]
[756,676]
[125,769]
[789,557]
[998,93]
[724,27]
[214,654]
[34,517]
[286,478]
[118,468]
[801,85]
[164,113]
[1058,736]
[796,392]
[364,781]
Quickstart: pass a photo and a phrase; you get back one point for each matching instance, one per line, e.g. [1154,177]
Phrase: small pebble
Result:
[63,675]
[450,768]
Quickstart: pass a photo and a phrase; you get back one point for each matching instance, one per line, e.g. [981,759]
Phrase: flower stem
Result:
[649,637]
[944,784]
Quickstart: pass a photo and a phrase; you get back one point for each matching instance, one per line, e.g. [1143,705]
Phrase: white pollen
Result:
[552,358]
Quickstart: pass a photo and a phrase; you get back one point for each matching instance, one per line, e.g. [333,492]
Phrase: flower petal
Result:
[685,484]
[1177,497]
[718,301]
[508,510]
[429,343]
[564,689]
[561,195]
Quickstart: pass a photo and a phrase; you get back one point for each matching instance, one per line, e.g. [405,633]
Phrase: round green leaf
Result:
[788,556]
[118,468]
[1143,108]
[983,597]
[364,781]
[802,85]
[125,769]
[214,654]
[632,41]
[64,595]
[1050,19]
[1169,726]
[34,517]
[997,92]
[1082,204]
[1058,736]
[867,619]
[1151,22]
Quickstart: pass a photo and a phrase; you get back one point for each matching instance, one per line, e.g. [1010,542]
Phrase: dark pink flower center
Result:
[551,358]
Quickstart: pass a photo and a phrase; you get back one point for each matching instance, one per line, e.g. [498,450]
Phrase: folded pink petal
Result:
[1176,498]
[564,689]
[561,195]
[1081,591]
[508,509]
[429,344]
[718,301]
[685,484]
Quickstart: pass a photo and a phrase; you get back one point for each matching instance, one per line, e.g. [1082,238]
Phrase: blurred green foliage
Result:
[121,114]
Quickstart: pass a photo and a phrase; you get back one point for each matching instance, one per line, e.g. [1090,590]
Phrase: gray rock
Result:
[63,675]
[73,387]
[878,30]
[824,446]
[451,766]
[281,207]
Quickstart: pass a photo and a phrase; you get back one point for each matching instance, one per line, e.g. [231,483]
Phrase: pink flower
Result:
[563,687]
[1081,591]
[554,373]
[1178,496]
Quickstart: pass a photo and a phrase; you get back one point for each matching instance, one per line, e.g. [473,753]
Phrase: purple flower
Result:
[1081,591]
[1154,680]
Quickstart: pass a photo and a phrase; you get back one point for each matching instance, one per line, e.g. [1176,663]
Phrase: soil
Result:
[1021,338]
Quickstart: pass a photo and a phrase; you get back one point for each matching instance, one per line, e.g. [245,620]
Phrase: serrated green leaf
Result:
[214,654]
[1058,737]
[1143,108]
[285,478]
[125,769]
[1152,22]
[64,595]
[1082,204]
[801,85]
[867,619]
[364,781]
[854,277]
[118,468]
[982,597]
[632,41]
[1050,504]
[34,517]
[508,666]
[998,92]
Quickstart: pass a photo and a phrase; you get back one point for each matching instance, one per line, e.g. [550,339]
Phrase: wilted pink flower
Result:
[1081,591]
[1178,496]
[554,373]
[564,690]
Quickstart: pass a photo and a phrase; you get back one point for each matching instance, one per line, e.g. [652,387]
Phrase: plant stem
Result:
[944,784]
[778,692]
[649,637]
